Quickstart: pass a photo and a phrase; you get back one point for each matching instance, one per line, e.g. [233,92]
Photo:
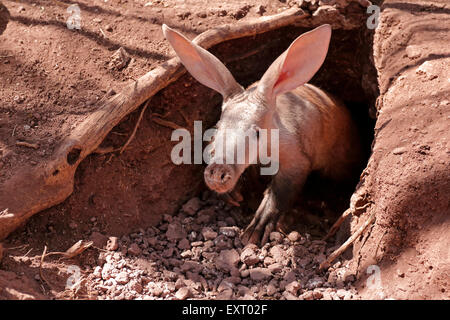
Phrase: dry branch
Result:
[347,243]
[49,183]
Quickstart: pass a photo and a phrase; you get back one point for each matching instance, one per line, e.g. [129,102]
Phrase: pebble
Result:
[294,236]
[184,244]
[276,236]
[134,249]
[112,244]
[260,274]
[413,51]
[175,231]
[293,287]
[429,68]
[122,278]
[183,293]
[249,255]
[192,206]
[227,260]
[228,231]
[208,233]
[99,240]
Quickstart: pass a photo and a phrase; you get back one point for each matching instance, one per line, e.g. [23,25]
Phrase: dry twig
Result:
[347,243]
[166,123]
[27,144]
[135,127]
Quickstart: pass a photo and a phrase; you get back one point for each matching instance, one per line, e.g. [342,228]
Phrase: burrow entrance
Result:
[348,74]
[127,192]
[152,184]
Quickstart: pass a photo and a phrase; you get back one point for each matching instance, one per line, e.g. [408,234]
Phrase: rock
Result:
[223,242]
[429,69]
[294,236]
[227,260]
[413,51]
[190,265]
[275,267]
[317,295]
[109,28]
[278,253]
[184,244]
[320,258]
[183,293]
[315,283]
[167,253]
[289,296]
[122,278]
[245,273]
[228,231]
[112,244]
[119,59]
[293,287]
[299,250]
[259,274]
[308,295]
[205,216]
[226,294]
[249,255]
[175,231]
[1,252]
[271,289]
[167,218]
[99,240]
[290,276]
[192,206]
[97,273]
[197,243]
[276,236]
[180,284]
[224,285]
[134,250]
[341,293]
[268,261]
[136,286]
[208,233]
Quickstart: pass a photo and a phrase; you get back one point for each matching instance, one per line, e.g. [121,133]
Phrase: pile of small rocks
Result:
[198,254]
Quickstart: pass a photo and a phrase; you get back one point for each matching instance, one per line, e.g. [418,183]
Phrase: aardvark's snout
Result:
[220,177]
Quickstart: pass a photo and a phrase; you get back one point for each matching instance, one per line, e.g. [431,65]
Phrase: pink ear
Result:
[298,64]
[202,65]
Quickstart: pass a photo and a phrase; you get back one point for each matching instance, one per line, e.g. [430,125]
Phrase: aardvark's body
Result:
[315,131]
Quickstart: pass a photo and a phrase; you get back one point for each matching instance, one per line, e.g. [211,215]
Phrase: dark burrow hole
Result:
[73,156]
[348,73]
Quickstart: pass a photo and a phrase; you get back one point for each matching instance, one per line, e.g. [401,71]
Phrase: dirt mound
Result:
[407,180]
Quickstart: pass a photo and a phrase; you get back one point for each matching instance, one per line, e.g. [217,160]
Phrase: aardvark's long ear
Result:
[202,65]
[298,64]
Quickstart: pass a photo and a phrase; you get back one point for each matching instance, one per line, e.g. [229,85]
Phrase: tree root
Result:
[135,127]
[347,243]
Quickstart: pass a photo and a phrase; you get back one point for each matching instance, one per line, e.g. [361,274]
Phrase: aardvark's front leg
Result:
[278,198]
